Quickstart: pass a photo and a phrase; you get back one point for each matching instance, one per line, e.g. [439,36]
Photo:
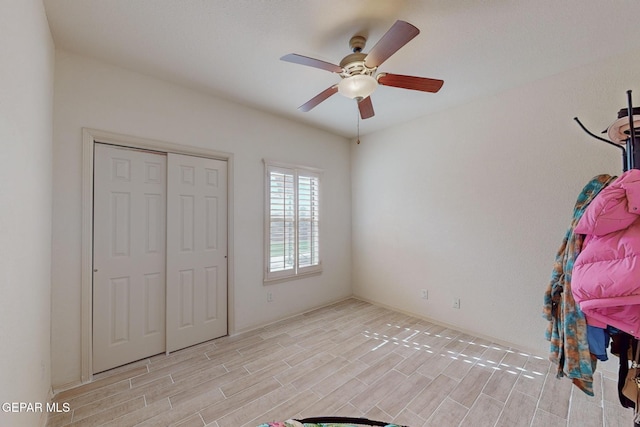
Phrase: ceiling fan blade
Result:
[311,62]
[318,98]
[410,82]
[398,35]
[366,108]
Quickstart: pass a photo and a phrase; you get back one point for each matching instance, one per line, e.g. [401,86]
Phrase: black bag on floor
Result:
[346,422]
[331,422]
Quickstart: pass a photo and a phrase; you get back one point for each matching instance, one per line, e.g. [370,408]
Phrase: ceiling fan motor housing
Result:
[353,64]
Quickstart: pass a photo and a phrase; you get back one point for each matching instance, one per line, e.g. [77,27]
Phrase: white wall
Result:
[474,202]
[95,95]
[26,102]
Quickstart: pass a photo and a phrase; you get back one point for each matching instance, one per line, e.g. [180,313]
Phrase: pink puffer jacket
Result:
[605,278]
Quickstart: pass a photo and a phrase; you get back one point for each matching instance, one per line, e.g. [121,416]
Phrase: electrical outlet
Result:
[456,303]
[269,297]
[425,294]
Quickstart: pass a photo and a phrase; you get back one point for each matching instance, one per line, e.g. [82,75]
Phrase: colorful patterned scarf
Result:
[567,329]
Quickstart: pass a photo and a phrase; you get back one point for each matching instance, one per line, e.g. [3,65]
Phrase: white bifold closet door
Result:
[160,239]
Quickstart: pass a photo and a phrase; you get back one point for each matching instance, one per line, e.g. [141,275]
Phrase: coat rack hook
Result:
[597,137]
[625,160]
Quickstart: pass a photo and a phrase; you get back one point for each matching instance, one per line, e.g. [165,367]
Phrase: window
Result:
[292,216]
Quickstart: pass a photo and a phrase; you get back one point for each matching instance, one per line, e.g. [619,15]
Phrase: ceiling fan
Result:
[358,70]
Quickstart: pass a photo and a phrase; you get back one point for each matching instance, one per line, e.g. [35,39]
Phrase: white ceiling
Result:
[231,48]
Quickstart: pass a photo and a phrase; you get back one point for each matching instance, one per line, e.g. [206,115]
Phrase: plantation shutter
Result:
[282,227]
[292,238]
[308,220]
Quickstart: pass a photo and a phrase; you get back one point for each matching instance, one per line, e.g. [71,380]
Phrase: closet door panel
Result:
[129,256]
[196,250]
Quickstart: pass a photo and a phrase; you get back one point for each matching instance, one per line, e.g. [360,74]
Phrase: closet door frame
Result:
[89,138]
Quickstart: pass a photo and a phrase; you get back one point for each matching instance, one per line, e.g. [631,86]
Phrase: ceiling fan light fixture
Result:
[358,86]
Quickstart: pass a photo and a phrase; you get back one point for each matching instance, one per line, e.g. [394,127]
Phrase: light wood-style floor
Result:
[353,359]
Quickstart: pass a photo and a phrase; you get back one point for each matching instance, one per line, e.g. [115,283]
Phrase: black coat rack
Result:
[631,149]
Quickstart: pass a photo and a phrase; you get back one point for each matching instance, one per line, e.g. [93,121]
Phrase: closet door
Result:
[129,256]
[196,250]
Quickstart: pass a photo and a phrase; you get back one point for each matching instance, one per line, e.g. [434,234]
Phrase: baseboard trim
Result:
[64,387]
[527,351]
[291,316]
[44,417]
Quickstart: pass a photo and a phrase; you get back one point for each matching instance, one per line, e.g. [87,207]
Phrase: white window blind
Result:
[292,235]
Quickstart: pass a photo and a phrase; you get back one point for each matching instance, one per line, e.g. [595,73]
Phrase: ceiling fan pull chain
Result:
[358,129]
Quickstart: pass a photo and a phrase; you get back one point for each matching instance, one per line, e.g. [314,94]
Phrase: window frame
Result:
[296,271]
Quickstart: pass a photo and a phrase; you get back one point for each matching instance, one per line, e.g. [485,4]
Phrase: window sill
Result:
[290,278]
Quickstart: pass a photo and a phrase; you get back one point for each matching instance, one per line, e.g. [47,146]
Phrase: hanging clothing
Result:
[623,345]
[567,328]
[598,339]
[606,274]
